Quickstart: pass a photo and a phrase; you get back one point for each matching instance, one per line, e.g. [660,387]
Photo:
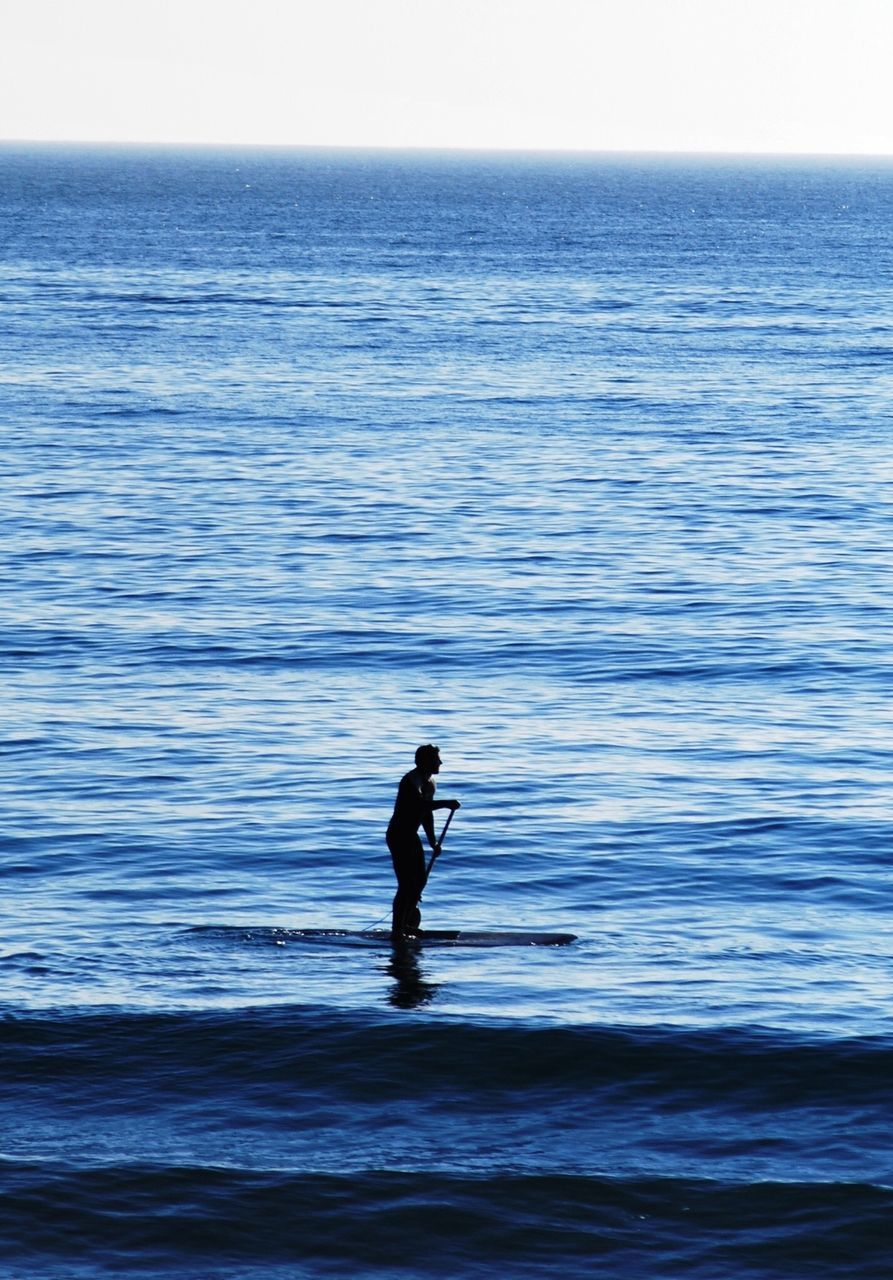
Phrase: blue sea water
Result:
[578,467]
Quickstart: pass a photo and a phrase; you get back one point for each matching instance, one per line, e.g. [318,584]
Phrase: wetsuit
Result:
[412,809]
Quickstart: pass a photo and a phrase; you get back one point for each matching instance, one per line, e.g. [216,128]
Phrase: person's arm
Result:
[428,824]
[440,804]
[426,795]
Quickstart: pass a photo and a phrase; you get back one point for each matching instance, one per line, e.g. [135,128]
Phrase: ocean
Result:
[578,467]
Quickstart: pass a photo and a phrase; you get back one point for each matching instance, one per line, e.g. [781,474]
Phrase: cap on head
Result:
[427,756]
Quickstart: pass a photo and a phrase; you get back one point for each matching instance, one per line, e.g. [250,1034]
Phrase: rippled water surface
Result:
[578,468]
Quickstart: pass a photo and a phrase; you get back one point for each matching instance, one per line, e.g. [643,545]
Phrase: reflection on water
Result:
[410,989]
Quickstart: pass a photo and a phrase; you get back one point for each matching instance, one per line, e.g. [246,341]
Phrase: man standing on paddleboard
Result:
[413,808]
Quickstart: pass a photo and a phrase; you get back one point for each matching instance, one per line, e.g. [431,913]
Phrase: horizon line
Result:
[445,149]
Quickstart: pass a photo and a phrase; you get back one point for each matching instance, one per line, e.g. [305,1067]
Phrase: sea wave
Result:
[188,1220]
[296,1048]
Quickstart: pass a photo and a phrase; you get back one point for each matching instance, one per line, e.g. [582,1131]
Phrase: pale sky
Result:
[593,75]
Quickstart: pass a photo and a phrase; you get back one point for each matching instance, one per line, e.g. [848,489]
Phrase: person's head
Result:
[427,758]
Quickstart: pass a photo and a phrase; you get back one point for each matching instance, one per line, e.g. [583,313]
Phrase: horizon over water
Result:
[577,466]
[384,150]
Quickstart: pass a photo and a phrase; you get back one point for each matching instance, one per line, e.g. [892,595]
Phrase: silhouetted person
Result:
[413,808]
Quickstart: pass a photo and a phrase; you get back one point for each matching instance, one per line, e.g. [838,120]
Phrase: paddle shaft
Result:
[446,827]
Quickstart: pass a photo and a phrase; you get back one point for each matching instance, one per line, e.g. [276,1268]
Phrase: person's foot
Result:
[405,935]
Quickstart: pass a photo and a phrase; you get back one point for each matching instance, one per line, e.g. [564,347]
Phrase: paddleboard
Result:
[382,937]
[439,937]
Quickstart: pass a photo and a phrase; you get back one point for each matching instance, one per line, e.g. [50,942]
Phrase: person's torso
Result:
[414,795]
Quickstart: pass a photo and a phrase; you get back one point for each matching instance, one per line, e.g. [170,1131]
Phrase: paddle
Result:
[446,827]
[414,917]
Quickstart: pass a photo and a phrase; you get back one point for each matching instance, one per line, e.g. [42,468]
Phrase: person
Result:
[413,808]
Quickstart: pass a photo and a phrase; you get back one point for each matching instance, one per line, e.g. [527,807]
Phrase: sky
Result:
[777,76]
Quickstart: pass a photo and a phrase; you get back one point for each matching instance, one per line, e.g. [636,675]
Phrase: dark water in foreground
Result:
[577,468]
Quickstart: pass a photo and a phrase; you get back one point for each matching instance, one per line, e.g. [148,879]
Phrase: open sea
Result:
[581,469]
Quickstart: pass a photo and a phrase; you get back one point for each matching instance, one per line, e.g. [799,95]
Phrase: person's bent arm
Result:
[428,824]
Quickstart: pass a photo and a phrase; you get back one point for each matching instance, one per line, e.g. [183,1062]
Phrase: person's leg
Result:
[409,868]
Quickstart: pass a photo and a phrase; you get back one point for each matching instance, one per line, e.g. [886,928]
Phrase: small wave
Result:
[537,1225]
[288,1048]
